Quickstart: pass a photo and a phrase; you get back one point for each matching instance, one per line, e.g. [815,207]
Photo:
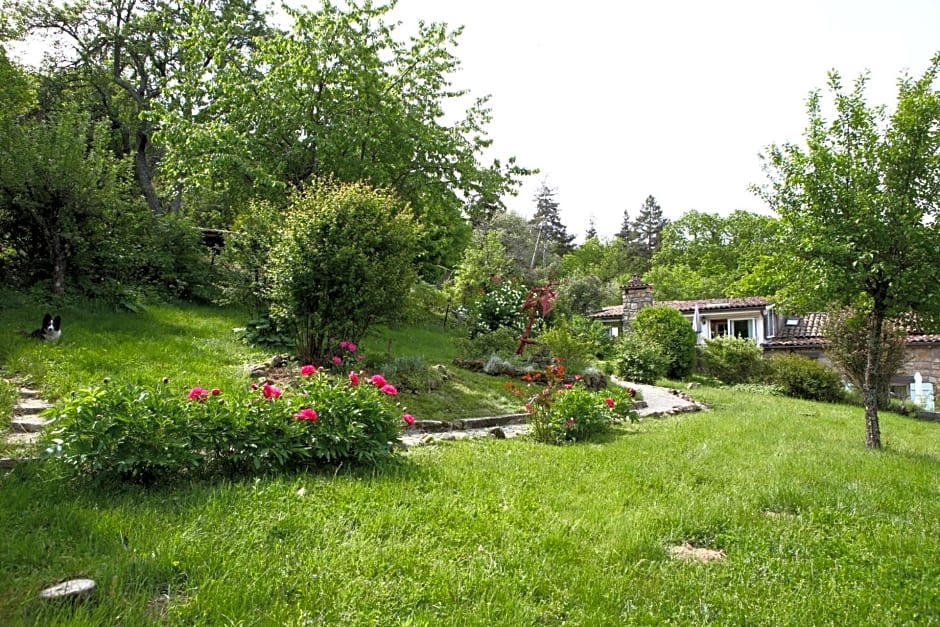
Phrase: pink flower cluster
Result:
[201,394]
[306,414]
[383,385]
[270,392]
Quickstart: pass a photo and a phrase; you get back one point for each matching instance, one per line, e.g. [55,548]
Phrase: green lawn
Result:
[816,529]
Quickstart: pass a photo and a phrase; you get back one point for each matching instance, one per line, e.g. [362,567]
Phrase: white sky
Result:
[614,101]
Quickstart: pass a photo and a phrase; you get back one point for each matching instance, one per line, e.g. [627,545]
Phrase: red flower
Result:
[253,386]
[353,378]
[337,360]
[307,370]
[378,380]
[306,414]
[344,344]
[216,391]
[269,391]
[391,390]
[610,402]
[631,392]
[351,347]
[409,419]
[198,394]
[568,386]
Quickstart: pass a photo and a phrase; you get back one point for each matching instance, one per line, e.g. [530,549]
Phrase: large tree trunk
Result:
[142,169]
[872,377]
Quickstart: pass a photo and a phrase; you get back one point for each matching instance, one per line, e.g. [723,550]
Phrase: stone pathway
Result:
[25,426]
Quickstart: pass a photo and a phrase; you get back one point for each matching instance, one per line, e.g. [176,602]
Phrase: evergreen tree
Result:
[648,228]
[552,232]
[592,229]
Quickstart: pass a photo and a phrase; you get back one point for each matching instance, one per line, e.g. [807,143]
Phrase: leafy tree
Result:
[483,260]
[61,184]
[859,210]
[341,94]
[552,232]
[344,260]
[668,328]
[847,332]
[705,255]
[591,232]
[127,56]
[648,228]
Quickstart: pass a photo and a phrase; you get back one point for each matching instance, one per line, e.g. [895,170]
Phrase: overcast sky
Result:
[615,101]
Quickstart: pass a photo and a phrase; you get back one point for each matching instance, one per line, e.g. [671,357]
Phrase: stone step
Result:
[28,424]
[28,393]
[21,438]
[8,463]
[31,407]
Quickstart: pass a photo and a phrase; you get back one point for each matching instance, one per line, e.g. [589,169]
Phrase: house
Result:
[755,318]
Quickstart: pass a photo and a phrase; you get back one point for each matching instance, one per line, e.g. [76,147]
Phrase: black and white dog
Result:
[51,329]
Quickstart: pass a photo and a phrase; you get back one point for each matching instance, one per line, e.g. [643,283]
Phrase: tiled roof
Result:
[716,304]
[688,306]
[636,283]
[808,333]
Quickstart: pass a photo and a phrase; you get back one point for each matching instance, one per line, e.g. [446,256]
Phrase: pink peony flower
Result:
[344,344]
[353,378]
[610,402]
[253,386]
[568,386]
[391,390]
[351,347]
[378,380]
[216,391]
[337,360]
[409,419]
[198,394]
[269,391]
[307,370]
[306,414]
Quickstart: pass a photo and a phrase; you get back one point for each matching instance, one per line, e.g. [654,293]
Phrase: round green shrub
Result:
[639,360]
[733,360]
[670,329]
[802,377]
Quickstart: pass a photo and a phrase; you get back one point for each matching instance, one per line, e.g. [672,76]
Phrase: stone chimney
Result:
[636,296]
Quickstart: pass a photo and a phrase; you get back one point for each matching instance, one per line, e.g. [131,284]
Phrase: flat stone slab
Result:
[21,438]
[28,393]
[28,424]
[74,589]
[31,407]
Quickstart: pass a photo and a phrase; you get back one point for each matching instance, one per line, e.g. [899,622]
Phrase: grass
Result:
[817,530]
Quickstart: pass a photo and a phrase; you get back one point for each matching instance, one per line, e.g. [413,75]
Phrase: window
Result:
[742,328]
[718,327]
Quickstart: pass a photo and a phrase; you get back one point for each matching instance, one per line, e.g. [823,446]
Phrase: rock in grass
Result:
[71,590]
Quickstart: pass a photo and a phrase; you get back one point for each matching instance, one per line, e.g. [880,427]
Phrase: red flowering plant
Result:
[561,411]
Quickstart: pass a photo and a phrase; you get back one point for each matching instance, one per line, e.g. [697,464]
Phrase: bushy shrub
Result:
[802,377]
[669,328]
[135,433]
[503,341]
[562,343]
[412,374]
[344,260]
[639,360]
[733,360]
[561,412]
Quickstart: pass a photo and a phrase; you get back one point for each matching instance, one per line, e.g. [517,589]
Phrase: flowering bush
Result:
[149,434]
[499,307]
[563,412]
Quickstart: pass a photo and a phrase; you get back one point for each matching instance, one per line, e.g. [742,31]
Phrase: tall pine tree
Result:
[648,229]
[552,232]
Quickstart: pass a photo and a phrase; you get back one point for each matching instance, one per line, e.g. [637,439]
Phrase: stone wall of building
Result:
[636,296]
[925,360]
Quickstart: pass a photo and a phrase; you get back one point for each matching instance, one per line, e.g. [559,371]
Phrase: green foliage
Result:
[668,328]
[246,256]
[847,334]
[703,255]
[576,340]
[859,211]
[483,260]
[552,234]
[802,377]
[733,360]
[503,341]
[639,360]
[133,433]
[412,374]
[560,412]
[343,261]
